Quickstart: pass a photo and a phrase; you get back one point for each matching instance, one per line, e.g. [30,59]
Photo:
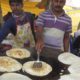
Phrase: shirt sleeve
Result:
[40,20]
[69,26]
[6,28]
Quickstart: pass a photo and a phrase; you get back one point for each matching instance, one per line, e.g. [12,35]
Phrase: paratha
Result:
[68,58]
[43,71]
[19,53]
[14,76]
[8,64]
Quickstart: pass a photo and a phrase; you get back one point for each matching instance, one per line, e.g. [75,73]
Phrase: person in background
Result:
[22,34]
[53,31]
[76,42]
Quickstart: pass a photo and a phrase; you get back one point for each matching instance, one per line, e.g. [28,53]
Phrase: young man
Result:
[53,29]
[24,23]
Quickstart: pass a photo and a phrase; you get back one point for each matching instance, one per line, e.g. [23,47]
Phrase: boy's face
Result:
[57,5]
[16,8]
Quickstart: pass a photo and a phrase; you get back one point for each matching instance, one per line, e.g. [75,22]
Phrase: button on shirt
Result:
[54,28]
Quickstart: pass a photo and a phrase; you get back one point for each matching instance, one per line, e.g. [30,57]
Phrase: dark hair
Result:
[16,1]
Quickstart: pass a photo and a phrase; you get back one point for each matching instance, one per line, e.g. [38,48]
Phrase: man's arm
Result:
[39,26]
[39,38]
[7,28]
[66,41]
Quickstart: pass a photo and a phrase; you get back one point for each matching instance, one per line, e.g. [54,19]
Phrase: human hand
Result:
[39,45]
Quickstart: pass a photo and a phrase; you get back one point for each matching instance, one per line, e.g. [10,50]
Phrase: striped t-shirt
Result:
[54,28]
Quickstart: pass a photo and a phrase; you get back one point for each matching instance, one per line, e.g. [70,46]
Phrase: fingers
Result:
[39,46]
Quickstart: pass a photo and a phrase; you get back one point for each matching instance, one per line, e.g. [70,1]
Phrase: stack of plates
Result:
[68,58]
[14,76]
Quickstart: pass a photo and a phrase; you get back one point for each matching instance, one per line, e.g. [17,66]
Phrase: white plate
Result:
[65,77]
[8,64]
[75,68]
[19,53]
[70,77]
[68,58]
[45,70]
[14,76]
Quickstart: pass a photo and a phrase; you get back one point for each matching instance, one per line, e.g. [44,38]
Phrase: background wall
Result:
[28,6]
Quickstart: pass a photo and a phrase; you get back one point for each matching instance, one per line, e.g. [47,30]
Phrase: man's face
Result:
[57,5]
[16,8]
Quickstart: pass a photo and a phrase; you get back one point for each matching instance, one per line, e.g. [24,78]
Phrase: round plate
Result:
[68,58]
[9,65]
[75,68]
[43,71]
[70,77]
[14,76]
[65,77]
[19,53]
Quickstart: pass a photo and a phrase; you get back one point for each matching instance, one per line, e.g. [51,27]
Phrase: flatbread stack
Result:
[68,58]
[18,53]
[42,71]
[9,65]
[74,68]
[14,76]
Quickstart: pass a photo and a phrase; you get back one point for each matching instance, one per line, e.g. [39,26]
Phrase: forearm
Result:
[66,46]
[4,31]
[39,39]
[39,34]
[7,28]
[66,43]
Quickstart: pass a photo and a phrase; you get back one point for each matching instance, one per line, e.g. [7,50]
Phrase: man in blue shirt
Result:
[8,27]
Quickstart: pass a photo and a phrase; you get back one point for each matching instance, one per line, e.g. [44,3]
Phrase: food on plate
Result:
[42,71]
[19,53]
[9,65]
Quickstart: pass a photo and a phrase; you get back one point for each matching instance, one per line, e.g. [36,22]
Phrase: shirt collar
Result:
[52,13]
